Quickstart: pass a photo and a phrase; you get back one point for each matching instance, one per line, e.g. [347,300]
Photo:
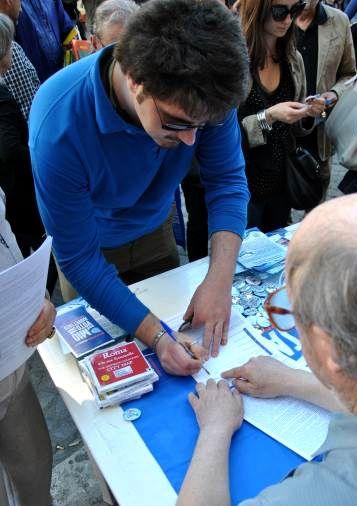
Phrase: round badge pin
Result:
[270,287]
[258,290]
[244,301]
[262,297]
[253,280]
[239,283]
[253,301]
[262,321]
[235,300]
[250,311]
[131,414]
[245,288]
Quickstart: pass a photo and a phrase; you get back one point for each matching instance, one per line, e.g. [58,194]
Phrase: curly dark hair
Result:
[191,53]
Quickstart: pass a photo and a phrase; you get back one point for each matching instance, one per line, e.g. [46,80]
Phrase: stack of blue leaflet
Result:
[260,253]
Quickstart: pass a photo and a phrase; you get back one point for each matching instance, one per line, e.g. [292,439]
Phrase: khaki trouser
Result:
[25,447]
[147,256]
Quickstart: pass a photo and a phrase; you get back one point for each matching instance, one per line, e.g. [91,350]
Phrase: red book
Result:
[118,366]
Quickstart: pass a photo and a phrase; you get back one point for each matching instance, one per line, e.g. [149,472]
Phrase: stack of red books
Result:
[117,374]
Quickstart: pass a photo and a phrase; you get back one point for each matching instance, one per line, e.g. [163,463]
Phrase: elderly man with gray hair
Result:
[321,272]
[109,20]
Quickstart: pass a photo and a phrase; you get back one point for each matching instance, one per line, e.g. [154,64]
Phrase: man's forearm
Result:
[206,482]
[148,328]
[305,386]
[224,251]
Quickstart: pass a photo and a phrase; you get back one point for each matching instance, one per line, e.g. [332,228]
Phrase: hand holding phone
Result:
[329,97]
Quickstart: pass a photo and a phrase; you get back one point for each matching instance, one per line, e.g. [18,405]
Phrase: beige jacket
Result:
[250,123]
[9,255]
[336,63]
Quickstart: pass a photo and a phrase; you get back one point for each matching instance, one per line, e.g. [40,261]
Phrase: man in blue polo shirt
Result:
[112,136]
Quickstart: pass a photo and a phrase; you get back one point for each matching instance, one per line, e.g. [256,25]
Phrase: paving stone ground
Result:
[73,483]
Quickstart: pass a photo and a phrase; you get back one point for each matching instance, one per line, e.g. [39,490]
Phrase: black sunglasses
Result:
[281,12]
[180,127]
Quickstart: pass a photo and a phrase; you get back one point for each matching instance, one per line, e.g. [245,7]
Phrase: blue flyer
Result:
[81,333]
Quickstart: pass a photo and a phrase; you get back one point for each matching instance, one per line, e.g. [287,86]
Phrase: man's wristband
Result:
[157,338]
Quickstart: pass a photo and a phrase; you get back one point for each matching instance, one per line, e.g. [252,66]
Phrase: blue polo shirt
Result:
[102,182]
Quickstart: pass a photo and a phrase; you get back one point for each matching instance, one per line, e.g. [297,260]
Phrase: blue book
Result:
[81,332]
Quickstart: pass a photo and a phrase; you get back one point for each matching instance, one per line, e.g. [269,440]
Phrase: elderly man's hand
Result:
[263,377]
[217,408]
[43,326]
[211,306]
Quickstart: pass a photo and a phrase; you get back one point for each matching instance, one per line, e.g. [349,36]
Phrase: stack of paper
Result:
[260,253]
[117,374]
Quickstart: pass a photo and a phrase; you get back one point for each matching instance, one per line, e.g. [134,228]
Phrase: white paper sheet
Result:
[22,291]
[299,425]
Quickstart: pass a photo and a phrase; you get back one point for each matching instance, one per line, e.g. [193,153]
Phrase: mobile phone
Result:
[329,101]
[311,98]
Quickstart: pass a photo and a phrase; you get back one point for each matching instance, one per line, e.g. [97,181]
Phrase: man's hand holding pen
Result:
[180,356]
[177,353]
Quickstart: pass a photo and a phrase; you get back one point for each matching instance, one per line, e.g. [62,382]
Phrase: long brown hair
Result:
[253,15]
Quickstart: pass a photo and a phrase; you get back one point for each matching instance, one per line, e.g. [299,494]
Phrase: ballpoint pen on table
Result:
[171,333]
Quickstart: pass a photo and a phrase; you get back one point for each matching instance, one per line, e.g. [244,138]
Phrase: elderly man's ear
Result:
[95,42]
[322,351]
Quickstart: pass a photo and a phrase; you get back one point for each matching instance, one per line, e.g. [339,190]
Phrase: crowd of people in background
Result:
[219,112]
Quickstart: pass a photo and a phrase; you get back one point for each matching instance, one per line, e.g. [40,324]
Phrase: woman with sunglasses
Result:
[273,112]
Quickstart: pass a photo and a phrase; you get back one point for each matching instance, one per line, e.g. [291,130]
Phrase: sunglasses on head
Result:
[281,12]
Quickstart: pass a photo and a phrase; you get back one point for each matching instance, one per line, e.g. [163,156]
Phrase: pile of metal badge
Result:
[249,296]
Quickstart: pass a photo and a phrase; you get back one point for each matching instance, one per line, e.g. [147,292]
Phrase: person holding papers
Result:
[25,447]
[112,136]
[321,273]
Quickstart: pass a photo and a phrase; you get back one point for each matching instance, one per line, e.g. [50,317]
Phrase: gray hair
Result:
[6,34]
[112,12]
[326,291]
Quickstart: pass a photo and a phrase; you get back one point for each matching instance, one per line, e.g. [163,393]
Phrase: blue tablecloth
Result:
[169,429]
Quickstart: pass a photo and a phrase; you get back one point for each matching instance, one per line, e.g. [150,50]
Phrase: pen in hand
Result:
[171,333]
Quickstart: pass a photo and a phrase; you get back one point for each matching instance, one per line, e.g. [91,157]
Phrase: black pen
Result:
[171,333]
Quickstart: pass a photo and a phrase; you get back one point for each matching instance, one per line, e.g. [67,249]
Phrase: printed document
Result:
[299,425]
[22,291]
